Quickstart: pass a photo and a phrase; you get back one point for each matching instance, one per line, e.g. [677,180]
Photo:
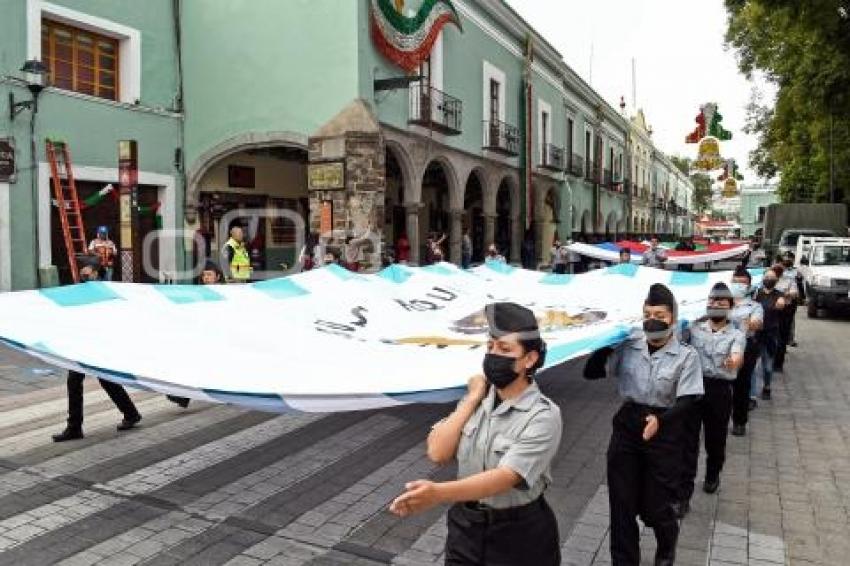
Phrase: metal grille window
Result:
[80,60]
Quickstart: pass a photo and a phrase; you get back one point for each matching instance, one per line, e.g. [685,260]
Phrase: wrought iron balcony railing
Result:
[435,110]
[553,157]
[501,137]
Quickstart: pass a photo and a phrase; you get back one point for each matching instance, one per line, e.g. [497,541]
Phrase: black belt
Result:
[481,512]
[649,409]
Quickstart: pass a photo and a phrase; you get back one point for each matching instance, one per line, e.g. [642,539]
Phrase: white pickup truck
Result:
[825,267]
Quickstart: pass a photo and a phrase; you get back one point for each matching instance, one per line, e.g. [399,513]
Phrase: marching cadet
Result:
[659,381]
[721,352]
[789,285]
[504,434]
[747,316]
[654,256]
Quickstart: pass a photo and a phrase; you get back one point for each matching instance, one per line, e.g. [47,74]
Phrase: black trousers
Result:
[643,479]
[478,538]
[712,416]
[75,399]
[742,383]
[559,268]
[786,319]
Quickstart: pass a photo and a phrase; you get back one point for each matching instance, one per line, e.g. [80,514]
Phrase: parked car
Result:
[827,275]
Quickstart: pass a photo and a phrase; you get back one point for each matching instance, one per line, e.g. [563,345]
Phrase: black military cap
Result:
[507,318]
[660,296]
[720,291]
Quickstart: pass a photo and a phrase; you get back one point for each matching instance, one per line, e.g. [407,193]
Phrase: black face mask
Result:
[717,315]
[769,284]
[499,370]
[656,329]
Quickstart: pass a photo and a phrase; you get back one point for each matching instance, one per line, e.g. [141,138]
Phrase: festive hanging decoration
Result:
[708,155]
[96,198]
[730,188]
[730,170]
[407,41]
[708,124]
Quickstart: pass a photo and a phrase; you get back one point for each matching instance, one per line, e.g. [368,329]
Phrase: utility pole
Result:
[831,158]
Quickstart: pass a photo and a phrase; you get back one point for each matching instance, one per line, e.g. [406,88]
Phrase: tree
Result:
[804,48]
[701,182]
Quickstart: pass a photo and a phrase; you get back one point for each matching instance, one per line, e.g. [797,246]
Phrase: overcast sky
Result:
[679,55]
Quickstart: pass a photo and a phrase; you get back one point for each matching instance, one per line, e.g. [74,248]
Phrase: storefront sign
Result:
[326,176]
[7,160]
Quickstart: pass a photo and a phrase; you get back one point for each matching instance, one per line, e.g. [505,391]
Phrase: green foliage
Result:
[701,181]
[802,46]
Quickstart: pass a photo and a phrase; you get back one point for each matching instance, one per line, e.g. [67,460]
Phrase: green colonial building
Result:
[365,119]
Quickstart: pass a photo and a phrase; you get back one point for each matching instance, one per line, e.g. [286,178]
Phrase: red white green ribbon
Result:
[407,41]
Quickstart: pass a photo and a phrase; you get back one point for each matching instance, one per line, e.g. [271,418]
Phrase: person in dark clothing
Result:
[91,270]
[660,379]
[773,303]
[527,251]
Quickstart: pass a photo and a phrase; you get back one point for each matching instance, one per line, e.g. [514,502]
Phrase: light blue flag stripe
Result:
[625,269]
[81,294]
[688,278]
[557,279]
[187,294]
[280,288]
[270,402]
[395,273]
[500,267]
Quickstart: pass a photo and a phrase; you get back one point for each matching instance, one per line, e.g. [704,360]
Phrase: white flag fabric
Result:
[327,339]
[610,252]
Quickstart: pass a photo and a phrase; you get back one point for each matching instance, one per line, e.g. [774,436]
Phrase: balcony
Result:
[577,166]
[607,179]
[553,158]
[501,137]
[435,110]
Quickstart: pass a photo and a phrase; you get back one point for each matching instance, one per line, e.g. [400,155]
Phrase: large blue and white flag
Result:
[328,339]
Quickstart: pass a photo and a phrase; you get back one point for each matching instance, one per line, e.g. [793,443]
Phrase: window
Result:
[587,156]
[494,100]
[570,129]
[544,118]
[80,60]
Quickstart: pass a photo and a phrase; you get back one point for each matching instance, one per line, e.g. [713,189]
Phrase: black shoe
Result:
[765,394]
[739,430]
[793,344]
[182,401]
[664,561]
[711,485]
[129,422]
[68,434]
[682,508]
[753,404]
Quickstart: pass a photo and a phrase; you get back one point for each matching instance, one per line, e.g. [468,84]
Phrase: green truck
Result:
[785,223]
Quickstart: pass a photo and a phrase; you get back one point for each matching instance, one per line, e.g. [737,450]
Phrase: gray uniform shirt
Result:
[522,434]
[746,309]
[714,347]
[657,379]
[654,258]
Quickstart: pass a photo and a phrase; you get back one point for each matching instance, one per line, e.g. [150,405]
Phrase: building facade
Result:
[305,119]
[754,202]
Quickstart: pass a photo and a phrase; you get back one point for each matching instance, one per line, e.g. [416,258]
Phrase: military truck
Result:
[785,223]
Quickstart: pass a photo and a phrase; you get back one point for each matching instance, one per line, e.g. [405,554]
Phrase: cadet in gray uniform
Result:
[721,352]
[654,256]
[504,434]
[748,317]
[659,381]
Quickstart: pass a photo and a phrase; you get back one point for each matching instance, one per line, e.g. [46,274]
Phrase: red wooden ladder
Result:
[68,202]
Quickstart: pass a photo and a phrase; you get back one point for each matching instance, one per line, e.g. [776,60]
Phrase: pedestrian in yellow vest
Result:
[238,258]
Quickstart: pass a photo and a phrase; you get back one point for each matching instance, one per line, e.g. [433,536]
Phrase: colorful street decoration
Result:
[730,188]
[730,170]
[708,155]
[353,342]
[407,40]
[709,124]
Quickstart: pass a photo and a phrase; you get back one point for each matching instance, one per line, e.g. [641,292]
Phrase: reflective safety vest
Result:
[240,265]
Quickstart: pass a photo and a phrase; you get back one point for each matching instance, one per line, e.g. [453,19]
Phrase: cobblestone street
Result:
[218,485]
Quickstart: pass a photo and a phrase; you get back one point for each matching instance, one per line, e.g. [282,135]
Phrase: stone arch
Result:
[228,147]
[450,173]
[611,226]
[586,223]
[547,220]
[408,171]
[511,180]
[473,215]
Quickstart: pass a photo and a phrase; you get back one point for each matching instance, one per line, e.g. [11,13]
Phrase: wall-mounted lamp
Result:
[34,72]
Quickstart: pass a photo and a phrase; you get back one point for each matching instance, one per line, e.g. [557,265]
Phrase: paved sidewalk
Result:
[219,485]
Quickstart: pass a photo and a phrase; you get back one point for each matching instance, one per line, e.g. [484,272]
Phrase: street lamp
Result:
[34,73]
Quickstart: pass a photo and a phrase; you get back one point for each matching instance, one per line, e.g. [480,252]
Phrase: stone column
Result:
[411,210]
[489,229]
[455,235]
[538,240]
